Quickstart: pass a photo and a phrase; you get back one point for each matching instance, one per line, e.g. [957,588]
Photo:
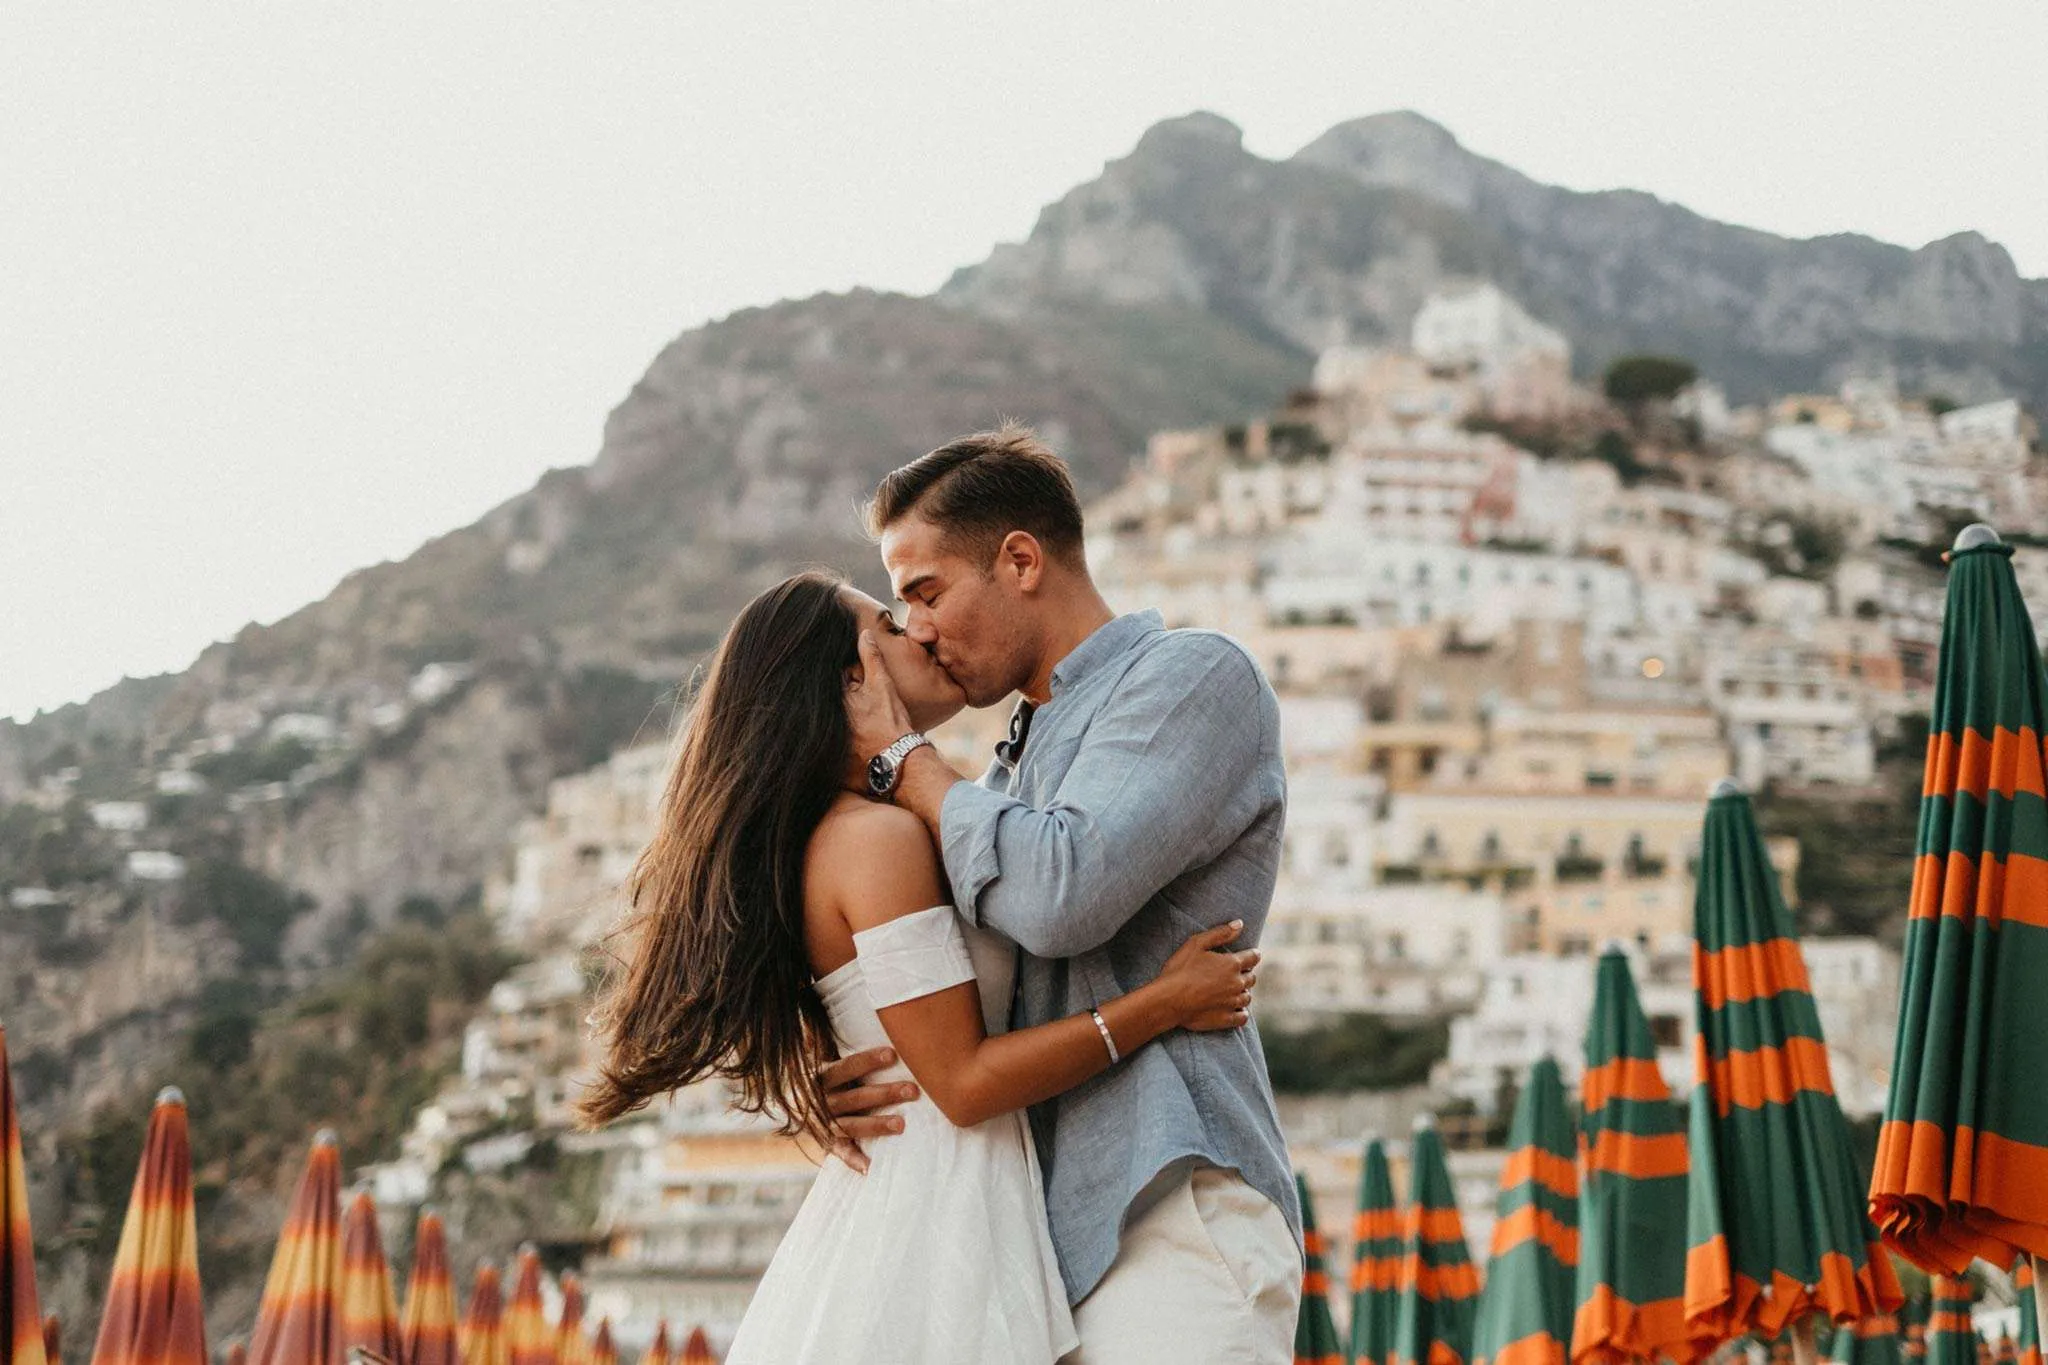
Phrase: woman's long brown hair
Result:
[715,977]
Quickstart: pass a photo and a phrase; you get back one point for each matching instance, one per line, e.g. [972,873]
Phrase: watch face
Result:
[881,775]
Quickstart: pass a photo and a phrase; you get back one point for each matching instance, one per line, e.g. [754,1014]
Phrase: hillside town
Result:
[1519,627]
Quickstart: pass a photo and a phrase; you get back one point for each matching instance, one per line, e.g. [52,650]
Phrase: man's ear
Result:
[1024,558]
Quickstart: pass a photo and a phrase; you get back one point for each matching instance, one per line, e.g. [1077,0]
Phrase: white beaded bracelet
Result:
[1107,1041]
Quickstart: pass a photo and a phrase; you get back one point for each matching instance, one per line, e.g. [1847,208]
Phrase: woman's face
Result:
[928,691]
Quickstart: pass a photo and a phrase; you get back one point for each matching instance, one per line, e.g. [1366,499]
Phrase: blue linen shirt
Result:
[1147,805]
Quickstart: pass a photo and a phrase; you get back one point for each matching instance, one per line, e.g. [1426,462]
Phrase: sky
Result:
[287,290]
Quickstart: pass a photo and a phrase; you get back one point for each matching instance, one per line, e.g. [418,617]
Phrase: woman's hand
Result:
[1209,989]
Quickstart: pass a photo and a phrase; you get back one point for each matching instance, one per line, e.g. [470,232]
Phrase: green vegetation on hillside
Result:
[1354,1052]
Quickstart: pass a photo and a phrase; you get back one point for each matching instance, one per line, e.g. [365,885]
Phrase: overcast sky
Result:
[287,289]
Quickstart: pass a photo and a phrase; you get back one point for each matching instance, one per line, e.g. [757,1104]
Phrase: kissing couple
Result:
[904,964]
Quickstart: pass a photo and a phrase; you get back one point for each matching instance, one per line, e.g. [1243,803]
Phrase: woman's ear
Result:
[853,677]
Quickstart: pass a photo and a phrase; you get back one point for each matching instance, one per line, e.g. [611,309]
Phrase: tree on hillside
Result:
[1634,380]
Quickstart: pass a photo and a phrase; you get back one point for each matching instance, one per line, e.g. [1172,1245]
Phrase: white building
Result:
[1479,325]
[123,817]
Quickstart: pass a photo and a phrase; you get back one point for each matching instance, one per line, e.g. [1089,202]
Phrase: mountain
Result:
[1190,282]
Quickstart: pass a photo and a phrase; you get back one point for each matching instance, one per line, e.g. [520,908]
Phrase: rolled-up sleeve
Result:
[1167,775]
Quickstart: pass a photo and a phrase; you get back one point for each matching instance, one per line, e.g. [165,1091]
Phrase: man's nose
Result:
[919,628]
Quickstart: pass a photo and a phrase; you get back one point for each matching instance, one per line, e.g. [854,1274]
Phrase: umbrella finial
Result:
[1613,946]
[1424,1121]
[327,1137]
[1976,536]
[170,1094]
[1727,786]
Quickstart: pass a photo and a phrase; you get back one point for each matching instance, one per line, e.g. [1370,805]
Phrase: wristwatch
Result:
[885,769]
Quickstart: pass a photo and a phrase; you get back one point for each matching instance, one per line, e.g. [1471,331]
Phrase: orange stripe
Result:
[1769,1075]
[1942,1202]
[1375,1273]
[1628,1078]
[1432,1225]
[1993,890]
[2007,763]
[1609,1329]
[1749,971]
[1530,1223]
[1371,1225]
[1638,1157]
[1540,1349]
[1315,1282]
[1526,1165]
[1312,1242]
[1460,1281]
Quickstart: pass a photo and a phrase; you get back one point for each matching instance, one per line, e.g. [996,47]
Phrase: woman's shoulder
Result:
[875,862]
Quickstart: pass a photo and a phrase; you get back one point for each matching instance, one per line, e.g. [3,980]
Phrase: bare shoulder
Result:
[874,863]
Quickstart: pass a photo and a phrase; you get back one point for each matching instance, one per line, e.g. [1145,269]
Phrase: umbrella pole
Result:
[1803,1352]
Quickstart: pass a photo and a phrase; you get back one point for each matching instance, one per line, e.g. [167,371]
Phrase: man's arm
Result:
[1166,777]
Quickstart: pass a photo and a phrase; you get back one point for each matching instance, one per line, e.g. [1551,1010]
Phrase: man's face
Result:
[972,617]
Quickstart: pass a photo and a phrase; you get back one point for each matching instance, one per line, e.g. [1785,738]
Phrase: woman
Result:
[782,918]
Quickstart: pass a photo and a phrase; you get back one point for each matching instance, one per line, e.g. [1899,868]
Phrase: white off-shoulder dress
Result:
[941,1253]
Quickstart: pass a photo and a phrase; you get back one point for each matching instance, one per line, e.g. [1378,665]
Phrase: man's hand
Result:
[856,1106]
[876,713]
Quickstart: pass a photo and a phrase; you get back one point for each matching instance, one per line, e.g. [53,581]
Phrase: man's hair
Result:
[980,488]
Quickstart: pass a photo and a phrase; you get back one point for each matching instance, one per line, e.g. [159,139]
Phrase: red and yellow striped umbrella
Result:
[21,1313]
[1526,1305]
[299,1320]
[427,1332]
[658,1353]
[369,1308]
[483,1323]
[529,1340]
[154,1315]
[1777,1229]
[602,1352]
[1951,1335]
[1962,1158]
[1631,1282]
[1315,1332]
[697,1350]
[572,1347]
[1375,1259]
[1438,1287]
[1871,1341]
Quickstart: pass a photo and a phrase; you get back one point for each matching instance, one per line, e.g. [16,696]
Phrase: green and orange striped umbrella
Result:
[1962,1158]
[1438,1286]
[299,1319]
[697,1350]
[1631,1281]
[1951,1336]
[2030,1313]
[369,1308]
[1871,1341]
[483,1324]
[21,1313]
[2007,1352]
[572,1347]
[1525,1307]
[426,1333]
[1315,1332]
[1376,1259]
[1913,1330]
[658,1353]
[602,1352]
[154,1315]
[529,1339]
[1777,1228]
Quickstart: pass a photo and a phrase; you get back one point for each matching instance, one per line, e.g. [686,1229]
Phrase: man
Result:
[1139,798]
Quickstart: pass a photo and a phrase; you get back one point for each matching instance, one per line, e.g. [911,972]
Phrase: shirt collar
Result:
[1108,641]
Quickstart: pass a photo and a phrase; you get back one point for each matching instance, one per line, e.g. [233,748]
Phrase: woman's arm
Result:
[891,869]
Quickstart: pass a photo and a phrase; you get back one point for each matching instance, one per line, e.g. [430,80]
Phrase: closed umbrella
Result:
[483,1323]
[153,1314]
[1631,1281]
[659,1353]
[1315,1333]
[1913,1330]
[529,1340]
[53,1341]
[1951,1336]
[427,1331]
[1870,1341]
[602,1352]
[21,1314]
[369,1308]
[299,1319]
[1438,1285]
[2007,1351]
[1375,1259]
[2030,1314]
[1525,1307]
[697,1350]
[1962,1158]
[572,1347]
[1777,1228]
[238,1354]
